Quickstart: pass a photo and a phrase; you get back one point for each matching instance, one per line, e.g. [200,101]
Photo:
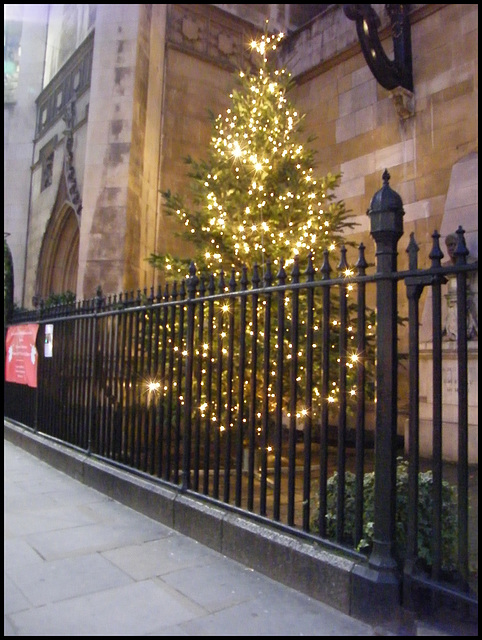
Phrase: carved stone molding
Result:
[46,159]
[208,33]
[404,101]
[69,83]
[69,169]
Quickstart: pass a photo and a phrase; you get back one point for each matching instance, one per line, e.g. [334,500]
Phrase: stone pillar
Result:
[461,208]
[120,185]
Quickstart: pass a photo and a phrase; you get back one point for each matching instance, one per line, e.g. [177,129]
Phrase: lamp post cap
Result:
[386,199]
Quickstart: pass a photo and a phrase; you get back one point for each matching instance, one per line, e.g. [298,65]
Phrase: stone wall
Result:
[355,121]
[152,90]
[122,161]
[44,199]
[199,79]
[359,132]
[19,126]
[103,227]
[358,129]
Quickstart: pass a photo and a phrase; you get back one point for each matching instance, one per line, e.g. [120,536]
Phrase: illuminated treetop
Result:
[255,195]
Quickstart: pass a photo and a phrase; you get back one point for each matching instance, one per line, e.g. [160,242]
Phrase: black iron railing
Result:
[254,393]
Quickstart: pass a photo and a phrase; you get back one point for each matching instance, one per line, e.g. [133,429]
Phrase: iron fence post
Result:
[192,283]
[377,584]
[93,371]
[39,313]
[460,254]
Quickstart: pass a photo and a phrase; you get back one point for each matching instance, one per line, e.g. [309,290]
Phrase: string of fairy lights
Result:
[257,198]
[253,153]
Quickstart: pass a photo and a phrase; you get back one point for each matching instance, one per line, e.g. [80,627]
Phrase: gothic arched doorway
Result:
[59,256]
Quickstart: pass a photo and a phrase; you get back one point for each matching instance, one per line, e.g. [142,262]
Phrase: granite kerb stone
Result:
[198,520]
[299,564]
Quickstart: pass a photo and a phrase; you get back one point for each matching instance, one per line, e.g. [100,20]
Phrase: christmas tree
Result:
[255,195]
[255,200]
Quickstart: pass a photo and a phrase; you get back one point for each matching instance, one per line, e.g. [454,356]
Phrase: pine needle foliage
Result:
[254,202]
[255,195]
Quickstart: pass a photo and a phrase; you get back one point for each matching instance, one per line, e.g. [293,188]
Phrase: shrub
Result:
[425,514]
[54,299]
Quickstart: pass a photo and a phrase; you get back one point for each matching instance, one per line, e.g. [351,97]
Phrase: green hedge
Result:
[425,514]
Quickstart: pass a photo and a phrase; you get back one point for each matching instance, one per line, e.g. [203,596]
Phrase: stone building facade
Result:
[111,98]
[104,102]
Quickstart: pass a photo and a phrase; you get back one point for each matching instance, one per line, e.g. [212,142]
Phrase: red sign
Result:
[21,355]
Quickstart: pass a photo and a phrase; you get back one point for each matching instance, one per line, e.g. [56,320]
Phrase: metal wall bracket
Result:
[391,74]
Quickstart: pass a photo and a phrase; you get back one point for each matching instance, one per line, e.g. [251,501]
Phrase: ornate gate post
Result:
[377,585]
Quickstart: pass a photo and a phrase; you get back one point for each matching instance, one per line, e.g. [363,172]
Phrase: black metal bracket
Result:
[391,74]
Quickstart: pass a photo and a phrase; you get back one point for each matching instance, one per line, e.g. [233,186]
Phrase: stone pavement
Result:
[79,563]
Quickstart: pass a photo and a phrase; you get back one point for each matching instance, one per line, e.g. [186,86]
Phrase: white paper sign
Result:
[49,340]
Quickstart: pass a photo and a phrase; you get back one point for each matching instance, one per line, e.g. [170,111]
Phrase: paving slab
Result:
[80,564]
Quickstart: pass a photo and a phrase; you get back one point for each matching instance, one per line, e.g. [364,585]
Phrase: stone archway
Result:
[59,256]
